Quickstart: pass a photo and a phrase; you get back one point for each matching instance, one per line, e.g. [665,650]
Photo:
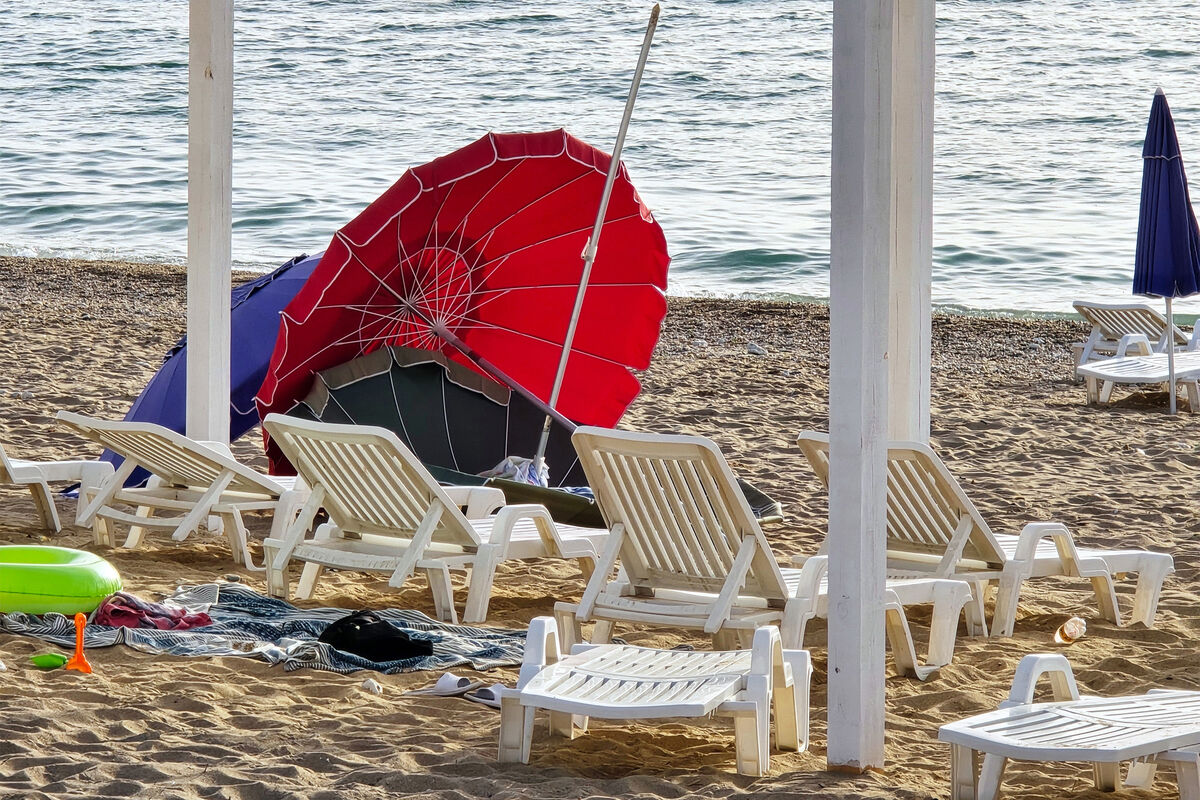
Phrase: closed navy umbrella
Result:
[1167,263]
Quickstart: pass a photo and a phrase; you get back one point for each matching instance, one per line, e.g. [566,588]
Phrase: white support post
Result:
[860,248]
[912,256]
[210,216]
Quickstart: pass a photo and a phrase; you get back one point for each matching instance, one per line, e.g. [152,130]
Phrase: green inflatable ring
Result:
[41,579]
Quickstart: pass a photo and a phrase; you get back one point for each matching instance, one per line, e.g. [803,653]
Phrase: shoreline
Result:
[167,266]
[1007,419]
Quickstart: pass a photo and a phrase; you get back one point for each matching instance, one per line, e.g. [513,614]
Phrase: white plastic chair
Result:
[1157,727]
[611,681]
[933,529]
[36,476]
[693,556]
[388,514]
[193,480]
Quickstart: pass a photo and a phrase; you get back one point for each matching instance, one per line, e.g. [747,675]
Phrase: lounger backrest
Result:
[929,518]
[683,515]
[372,483]
[1117,320]
[170,456]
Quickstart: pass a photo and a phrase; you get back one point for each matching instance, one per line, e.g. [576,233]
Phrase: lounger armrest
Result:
[1136,344]
[477,502]
[1193,342]
[812,570]
[1053,666]
[1064,544]
[541,649]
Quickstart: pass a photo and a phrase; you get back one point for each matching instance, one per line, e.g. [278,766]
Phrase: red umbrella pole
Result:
[589,251]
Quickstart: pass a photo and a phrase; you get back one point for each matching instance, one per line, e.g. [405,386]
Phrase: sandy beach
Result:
[1007,418]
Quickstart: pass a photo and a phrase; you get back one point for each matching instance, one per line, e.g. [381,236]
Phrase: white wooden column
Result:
[210,216]
[860,247]
[912,255]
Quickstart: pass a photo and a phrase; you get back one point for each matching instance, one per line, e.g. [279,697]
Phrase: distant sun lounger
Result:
[194,480]
[36,476]
[1121,329]
[1102,376]
[934,530]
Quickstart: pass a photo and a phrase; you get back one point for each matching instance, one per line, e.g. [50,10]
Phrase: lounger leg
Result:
[1193,394]
[91,476]
[479,590]
[899,636]
[949,602]
[724,639]
[1141,774]
[1093,393]
[1187,774]
[602,631]
[977,609]
[561,723]
[1149,587]
[235,532]
[442,590]
[1108,776]
[1106,391]
[516,730]
[751,734]
[1005,616]
[137,533]
[962,772]
[791,703]
[1106,597]
[44,500]
[277,576]
[308,580]
[991,773]
[569,633]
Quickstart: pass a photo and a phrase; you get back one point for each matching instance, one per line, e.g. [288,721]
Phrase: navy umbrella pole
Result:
[1167,261]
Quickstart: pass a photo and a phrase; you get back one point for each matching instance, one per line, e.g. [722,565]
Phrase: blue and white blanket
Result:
[246,623]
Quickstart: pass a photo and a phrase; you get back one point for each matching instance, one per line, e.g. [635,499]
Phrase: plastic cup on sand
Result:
[1070,631]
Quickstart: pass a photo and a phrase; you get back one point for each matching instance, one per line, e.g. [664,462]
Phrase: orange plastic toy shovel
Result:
[78,661]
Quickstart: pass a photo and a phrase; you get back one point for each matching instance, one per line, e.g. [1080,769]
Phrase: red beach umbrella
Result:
[482,248]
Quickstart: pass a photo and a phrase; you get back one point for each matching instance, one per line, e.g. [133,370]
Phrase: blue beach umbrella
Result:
[254,324]
[1167,262]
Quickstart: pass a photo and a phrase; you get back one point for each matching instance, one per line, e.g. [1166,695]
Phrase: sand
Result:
[1006,417]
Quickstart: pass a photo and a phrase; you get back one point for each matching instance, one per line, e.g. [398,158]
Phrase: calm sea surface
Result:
[1041,109]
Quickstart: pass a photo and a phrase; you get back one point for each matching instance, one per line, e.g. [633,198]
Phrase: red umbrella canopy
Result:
[487,243]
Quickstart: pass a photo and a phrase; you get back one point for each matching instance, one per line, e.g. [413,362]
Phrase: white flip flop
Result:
[448,685]
[488,696]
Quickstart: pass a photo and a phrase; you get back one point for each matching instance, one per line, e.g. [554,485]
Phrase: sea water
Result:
[1041,108]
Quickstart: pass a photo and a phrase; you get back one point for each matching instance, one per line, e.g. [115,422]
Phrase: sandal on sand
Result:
[489,695]
[448,685]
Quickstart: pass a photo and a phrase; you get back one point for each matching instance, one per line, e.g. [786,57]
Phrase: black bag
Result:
[368,636]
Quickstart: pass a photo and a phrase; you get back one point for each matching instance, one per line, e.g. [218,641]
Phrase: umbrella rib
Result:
[479,325]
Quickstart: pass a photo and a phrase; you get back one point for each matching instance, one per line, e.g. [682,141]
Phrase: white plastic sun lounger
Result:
[1102,376]
[388,514]
[610,681]
[37,475]
[195,480]
[1120,329]
[1157,727]
[933,529]
[693,556]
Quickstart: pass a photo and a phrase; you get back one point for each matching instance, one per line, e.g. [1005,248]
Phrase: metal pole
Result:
[1171,353]
[589,250]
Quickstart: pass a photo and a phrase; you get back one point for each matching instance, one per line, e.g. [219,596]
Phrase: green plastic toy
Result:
[48,660]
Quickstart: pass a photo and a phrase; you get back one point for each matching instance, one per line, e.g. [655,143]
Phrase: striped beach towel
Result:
[248,624]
